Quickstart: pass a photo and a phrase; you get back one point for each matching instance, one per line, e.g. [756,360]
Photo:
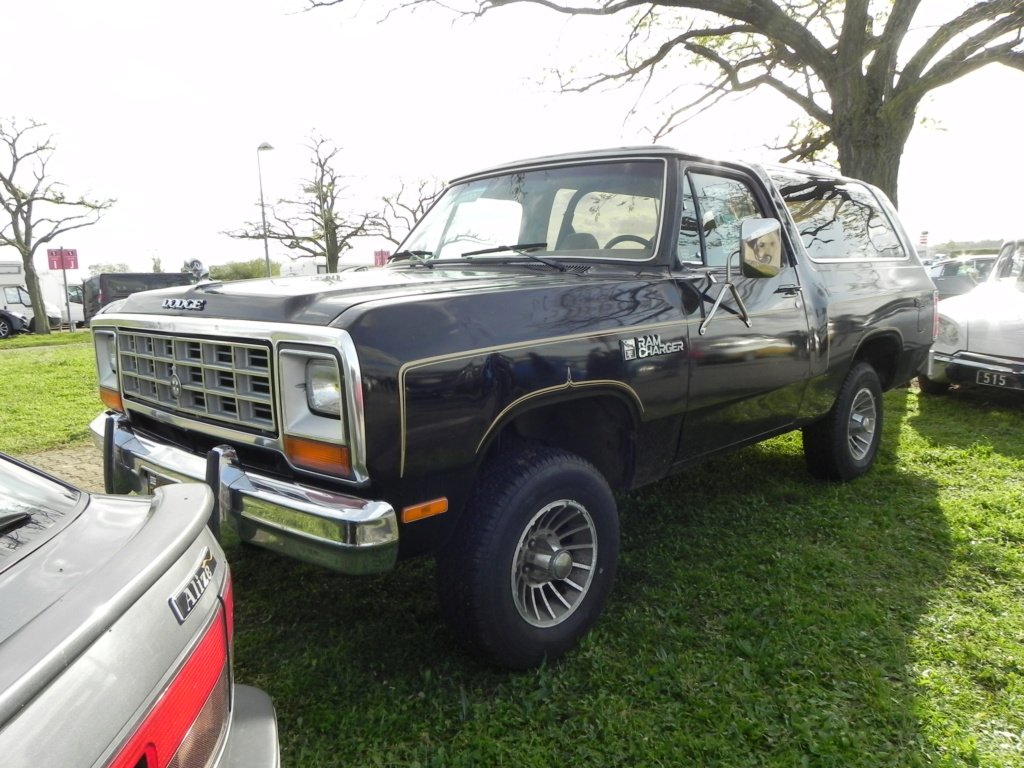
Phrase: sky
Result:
[162,105]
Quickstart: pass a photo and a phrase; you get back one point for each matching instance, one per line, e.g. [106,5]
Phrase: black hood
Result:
[322,299]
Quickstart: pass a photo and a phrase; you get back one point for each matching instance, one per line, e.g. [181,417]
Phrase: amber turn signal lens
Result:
[426,509]
[320,457]
[111,399]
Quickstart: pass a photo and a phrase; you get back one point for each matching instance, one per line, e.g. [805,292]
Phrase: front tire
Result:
[843,445]
[5,328]
[531,565]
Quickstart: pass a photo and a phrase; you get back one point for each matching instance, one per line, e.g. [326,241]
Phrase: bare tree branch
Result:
[38,211]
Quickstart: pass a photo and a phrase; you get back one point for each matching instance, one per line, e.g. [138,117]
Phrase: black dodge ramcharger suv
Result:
[552,331]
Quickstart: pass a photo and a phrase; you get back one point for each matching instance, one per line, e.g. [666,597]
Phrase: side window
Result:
[719,205]
[838,219]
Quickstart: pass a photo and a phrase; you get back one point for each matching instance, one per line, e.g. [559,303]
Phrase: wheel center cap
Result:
[561,564]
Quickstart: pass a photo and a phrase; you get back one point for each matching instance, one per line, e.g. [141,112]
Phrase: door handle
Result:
[789,290]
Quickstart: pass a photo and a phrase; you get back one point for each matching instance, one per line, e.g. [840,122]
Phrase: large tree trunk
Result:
[35,292]
[870,132]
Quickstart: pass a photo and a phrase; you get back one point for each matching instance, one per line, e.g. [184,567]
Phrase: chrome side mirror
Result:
[761,247]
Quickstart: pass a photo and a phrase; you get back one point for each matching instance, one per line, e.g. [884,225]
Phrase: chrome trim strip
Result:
[977,362]
[569,384]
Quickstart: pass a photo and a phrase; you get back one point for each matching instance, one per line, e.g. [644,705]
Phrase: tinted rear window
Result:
[838,219]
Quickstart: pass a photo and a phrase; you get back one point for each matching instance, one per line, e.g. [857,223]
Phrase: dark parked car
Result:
[11,323]
[100,290]
[954,277]
[116,633]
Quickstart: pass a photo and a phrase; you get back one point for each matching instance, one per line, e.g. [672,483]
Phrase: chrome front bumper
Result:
[964,367]
[325,528]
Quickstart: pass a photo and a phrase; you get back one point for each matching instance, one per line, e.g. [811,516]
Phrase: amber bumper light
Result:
[111,399]
[426,509]
[320,457]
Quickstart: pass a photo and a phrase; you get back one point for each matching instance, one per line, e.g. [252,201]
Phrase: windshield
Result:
[30,504]
[608,210]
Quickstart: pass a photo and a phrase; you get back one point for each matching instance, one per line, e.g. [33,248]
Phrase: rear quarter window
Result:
[838,220]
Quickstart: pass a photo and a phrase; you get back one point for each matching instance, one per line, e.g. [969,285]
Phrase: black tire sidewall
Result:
[475,570]
[6,329]
[826,442]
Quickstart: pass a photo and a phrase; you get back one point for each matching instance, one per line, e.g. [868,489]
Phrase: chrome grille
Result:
[206,378]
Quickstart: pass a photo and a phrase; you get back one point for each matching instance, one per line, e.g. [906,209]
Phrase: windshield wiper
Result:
[523,249]
[414,256]
[11,521]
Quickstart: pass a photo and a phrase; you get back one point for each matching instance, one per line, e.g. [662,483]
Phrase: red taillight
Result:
[194,705]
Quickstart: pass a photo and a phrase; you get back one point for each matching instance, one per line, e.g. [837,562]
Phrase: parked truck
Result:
[551,332]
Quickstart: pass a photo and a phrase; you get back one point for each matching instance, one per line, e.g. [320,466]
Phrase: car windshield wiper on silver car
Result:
[11,521]
[523,249]
[413,256]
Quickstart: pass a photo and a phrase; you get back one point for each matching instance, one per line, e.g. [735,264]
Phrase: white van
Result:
[14,297]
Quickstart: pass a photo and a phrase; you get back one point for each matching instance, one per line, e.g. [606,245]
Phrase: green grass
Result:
[54,339]
[49,392]
[760,618]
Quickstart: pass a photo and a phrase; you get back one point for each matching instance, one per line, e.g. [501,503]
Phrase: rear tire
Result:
[531,564]
[930,387]
[843,445]
[5,328]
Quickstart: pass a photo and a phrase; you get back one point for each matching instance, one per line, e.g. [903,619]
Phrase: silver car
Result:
[981,333]
[116,633]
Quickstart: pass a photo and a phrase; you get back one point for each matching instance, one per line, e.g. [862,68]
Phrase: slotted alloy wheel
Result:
[863,422]
[554,563]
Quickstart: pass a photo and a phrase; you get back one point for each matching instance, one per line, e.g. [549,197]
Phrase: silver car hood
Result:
[991,318]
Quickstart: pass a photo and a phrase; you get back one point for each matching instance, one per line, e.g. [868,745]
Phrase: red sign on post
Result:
[62,258]
[380,258]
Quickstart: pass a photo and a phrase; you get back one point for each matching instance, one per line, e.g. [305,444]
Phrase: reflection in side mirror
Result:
[762,247]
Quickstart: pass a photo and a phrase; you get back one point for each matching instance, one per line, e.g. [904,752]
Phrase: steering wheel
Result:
[627,239]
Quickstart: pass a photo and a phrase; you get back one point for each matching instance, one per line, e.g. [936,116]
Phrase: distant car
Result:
[11,323]
[954,277]
[100,290]
[116,633]
[981,333]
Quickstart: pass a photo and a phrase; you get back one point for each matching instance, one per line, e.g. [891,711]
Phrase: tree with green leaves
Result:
[36,209]
[314,222]
[857,70]
[242,270]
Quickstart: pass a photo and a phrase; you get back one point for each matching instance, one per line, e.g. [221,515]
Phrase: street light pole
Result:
[263,209]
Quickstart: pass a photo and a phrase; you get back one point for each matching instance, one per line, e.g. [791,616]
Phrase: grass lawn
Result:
[760,618]
[49,390]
